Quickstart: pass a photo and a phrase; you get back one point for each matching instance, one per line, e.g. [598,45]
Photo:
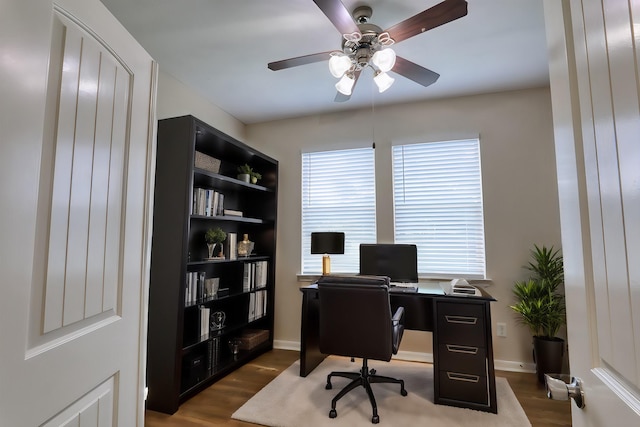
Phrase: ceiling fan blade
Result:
[338,15]
[341,97]
[299,60]
[447,11]
[415,72]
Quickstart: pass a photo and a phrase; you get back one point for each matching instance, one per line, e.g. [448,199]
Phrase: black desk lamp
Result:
[327,243]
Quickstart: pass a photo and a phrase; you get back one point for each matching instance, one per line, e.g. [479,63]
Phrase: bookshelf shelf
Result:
[186,352]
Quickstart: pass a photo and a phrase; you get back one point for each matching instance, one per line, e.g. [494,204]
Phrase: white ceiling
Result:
[221,49]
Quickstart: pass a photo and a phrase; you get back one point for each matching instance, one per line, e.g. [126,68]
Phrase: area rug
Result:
[292,401]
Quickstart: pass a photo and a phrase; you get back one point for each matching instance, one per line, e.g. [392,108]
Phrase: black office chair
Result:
[356,321]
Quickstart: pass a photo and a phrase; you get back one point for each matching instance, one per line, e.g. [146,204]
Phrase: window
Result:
[338,194]
[438,206]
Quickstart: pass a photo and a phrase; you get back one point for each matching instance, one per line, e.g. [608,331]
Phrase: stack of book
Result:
[257,305]
[254,275]
[214,354]
[195,288]
[207,202]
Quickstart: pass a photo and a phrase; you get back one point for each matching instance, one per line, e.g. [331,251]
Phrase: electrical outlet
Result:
[501,329]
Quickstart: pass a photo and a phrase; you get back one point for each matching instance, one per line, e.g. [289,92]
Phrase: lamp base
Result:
[326,265]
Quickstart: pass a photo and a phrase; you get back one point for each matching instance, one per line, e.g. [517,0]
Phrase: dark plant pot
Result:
[548,354]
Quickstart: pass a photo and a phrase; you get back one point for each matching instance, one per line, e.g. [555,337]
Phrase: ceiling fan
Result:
[365,44]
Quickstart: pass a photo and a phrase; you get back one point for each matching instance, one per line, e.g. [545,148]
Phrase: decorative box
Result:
[208,163]
[251,338]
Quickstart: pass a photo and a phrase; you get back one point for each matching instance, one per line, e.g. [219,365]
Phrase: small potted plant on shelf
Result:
[247,174]
[541,307]
[214,237]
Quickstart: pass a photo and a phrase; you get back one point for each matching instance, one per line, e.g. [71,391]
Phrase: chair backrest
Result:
[355,317]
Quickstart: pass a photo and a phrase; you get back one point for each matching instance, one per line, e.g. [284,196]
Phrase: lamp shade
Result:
[383,81]
[345,85]
[327,243]
[339,64]
[384,59]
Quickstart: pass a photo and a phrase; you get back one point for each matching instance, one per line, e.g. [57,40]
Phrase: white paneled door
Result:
[77,161]
[595,87]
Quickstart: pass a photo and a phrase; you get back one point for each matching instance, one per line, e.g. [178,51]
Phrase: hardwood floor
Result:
[236,388]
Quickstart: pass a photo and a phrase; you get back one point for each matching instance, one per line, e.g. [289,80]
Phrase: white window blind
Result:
[438,206]
[338,194]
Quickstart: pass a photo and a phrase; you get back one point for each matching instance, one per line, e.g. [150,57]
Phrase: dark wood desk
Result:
[463,367]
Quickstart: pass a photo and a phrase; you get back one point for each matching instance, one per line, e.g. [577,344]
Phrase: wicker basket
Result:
[208,163]
[251,338]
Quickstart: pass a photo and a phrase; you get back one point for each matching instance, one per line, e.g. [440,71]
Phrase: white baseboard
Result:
[286,345]
[414,356]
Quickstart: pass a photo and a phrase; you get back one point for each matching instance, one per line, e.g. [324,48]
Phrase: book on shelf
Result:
[252,307]
[195,287]
[257,305]
[205,313]
[232,212]
[254,275]
[214,354]
[220,208]
[245,277]
[232,239]
[206,202]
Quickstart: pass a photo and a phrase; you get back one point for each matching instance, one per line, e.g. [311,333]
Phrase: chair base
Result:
[363,378]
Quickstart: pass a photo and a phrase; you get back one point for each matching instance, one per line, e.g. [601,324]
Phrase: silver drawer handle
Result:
[465,320]
[462,349]
[454,376]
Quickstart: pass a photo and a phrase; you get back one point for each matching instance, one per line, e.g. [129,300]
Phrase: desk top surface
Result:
[424,290]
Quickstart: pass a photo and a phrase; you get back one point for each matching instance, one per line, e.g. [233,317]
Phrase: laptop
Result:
[397,261]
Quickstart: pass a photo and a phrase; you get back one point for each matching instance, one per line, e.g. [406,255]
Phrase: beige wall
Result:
[519,189]
[176,99]
[519,185]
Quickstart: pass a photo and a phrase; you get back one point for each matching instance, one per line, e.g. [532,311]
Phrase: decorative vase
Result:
[245,247]
[548,355]
[211,247]
[254,180]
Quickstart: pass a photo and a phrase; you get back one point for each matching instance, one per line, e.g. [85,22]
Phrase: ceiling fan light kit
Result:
[384,59]
[367,45]
[339,64]
[383,81]
[345,84]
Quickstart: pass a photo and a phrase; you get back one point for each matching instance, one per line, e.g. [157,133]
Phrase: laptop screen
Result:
[398,261]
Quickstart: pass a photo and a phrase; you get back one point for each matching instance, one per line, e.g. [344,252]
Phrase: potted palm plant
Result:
[541,307]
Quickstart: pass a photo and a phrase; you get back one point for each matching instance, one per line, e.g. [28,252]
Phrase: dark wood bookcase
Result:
[185,355]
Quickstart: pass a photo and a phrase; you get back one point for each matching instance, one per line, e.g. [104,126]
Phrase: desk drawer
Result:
[461,324]
[463,387]
[462,358]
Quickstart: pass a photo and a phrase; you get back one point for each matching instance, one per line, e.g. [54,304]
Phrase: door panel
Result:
[596,102]
[94,409]
[76,175]
[87,178]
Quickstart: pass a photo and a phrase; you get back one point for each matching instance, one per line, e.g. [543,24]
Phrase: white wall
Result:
[519,179]
[519,186]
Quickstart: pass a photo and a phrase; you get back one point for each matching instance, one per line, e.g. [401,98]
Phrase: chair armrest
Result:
[397,329]
[398,316]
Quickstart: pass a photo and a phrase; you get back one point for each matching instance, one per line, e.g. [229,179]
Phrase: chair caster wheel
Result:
[372,372]
[333,413]
[375,419]
[328,386]
[403,392]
